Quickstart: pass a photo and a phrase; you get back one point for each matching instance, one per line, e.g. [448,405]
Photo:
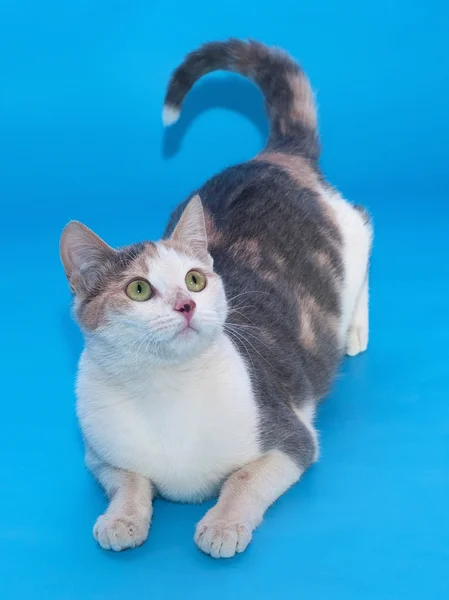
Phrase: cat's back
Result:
[275,193]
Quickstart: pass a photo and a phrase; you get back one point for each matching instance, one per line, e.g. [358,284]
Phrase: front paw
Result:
[223,537]
[118,533]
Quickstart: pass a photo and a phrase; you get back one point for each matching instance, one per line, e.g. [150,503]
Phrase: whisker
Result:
[256,338]
[255,349]
[247,292]
[245,325]
[145,338]
[140,337]
[241,307]
[244,345]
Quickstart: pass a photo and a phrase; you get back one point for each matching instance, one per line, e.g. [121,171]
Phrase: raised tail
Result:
[288,95]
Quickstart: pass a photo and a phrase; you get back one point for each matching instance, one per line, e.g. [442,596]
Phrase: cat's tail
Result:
[288,95]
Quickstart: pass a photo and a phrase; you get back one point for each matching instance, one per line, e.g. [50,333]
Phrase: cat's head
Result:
[158,300]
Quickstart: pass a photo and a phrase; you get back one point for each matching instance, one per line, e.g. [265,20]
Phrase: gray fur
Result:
[267,232]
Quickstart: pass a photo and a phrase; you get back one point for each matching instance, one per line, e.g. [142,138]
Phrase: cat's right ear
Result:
[82,254]
[191,229]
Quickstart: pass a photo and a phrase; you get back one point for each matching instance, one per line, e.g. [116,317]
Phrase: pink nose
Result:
[186,307]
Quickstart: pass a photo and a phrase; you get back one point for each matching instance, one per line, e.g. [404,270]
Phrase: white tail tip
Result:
[170,114]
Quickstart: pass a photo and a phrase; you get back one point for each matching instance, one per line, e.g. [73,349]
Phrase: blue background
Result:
[81,89]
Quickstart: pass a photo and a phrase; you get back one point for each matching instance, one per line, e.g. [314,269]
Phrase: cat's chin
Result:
[188,330]
[190,342]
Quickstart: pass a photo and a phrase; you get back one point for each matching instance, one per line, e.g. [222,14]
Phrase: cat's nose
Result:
[186,307]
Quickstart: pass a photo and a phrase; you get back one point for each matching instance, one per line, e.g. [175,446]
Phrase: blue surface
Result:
[81,88]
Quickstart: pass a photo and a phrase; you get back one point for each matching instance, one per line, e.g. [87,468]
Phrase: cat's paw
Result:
[221,537]
[119,533]
[357,341]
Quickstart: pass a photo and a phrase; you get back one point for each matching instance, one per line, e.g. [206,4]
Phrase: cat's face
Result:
[158,301]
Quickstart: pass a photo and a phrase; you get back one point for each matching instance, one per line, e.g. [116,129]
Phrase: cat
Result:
[207,352]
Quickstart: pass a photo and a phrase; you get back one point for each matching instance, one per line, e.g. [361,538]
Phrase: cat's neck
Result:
[130,370]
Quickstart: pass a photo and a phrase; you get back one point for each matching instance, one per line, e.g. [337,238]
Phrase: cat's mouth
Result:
[186,330]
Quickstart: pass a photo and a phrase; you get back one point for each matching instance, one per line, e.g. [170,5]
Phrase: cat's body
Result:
[221,392]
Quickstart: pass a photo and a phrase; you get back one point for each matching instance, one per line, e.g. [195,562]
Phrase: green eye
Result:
[195,281]
[139,290]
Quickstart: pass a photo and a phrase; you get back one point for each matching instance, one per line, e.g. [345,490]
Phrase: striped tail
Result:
[289,98]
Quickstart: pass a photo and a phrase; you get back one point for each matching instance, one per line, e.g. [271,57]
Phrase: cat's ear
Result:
[191,229]
[82,254]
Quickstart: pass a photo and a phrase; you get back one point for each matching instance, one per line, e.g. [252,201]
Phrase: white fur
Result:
[170,115]
[357,238]
[175,407]
[359,328]
[184,427]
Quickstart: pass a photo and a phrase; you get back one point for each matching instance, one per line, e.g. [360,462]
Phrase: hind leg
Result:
[358,332]
[357,234]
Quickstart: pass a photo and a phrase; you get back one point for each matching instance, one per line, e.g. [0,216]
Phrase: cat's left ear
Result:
[191,230]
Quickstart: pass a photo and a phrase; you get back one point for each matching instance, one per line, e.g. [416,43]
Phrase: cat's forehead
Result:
[167,265]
